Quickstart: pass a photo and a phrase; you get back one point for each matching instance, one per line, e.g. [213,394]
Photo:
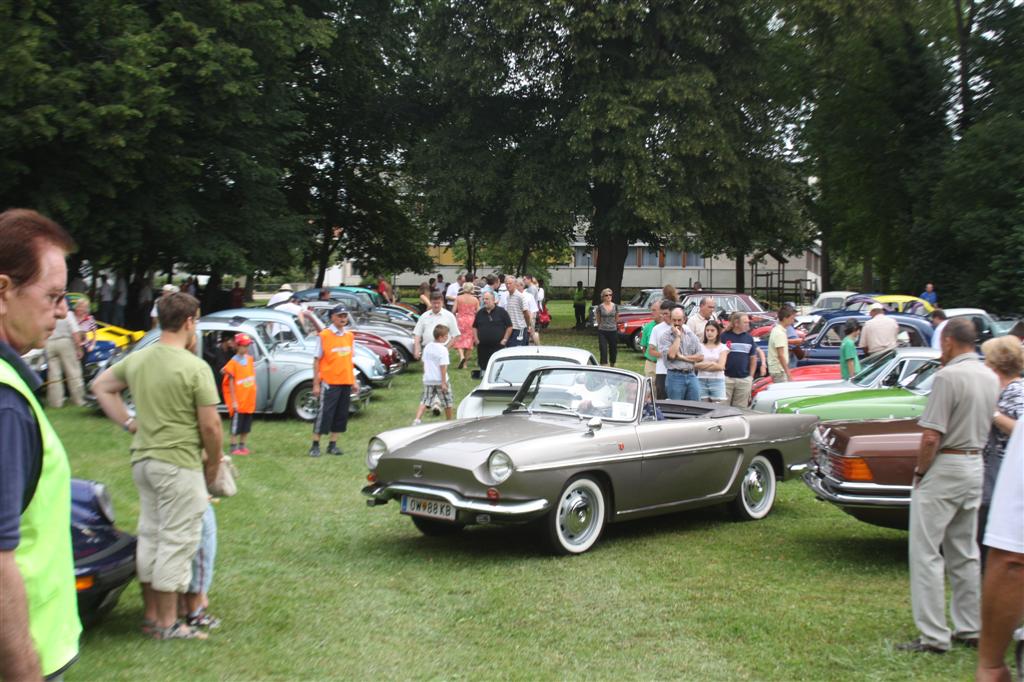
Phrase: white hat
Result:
[285,287]
[875,306]
[170,289]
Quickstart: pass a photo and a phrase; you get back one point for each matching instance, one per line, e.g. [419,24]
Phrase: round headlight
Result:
[374,452]
[500,466]
[103,501]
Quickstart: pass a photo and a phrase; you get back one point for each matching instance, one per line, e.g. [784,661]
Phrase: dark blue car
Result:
[821,346]
[104,555]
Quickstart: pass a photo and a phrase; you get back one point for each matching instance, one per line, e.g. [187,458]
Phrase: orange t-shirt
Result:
[336,368]
[244,378]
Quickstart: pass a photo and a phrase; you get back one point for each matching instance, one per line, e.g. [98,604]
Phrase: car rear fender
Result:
[775,457]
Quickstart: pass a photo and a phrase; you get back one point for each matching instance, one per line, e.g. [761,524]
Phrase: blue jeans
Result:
[202,563]
[682,386]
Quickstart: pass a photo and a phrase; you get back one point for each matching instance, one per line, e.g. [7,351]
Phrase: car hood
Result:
[468,443]
[881,403]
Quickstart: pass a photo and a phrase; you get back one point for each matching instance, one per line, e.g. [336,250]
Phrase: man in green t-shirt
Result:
[849,362]
[176,405]
[651,361]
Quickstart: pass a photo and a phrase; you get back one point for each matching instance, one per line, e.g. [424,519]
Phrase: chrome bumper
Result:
[857,494]
[381,493]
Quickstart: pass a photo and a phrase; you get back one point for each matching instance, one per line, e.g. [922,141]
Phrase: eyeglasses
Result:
[54,297]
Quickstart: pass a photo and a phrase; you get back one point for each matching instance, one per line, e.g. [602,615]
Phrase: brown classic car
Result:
[866,468]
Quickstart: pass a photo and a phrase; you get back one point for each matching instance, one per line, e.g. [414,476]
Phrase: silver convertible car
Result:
[581,447]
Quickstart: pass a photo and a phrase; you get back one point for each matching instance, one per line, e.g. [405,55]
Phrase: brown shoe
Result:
[916,646]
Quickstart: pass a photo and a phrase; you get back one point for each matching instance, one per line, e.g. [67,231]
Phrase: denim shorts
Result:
[712,388]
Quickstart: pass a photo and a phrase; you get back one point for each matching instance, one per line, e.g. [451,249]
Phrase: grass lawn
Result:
[312,584]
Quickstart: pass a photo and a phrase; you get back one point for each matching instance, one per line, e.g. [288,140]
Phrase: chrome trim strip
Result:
[390,491]
[817,486]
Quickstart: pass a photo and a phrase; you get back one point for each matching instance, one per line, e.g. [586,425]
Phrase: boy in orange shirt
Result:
[239,386]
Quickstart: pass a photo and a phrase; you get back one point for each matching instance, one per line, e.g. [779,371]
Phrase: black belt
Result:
[681,371]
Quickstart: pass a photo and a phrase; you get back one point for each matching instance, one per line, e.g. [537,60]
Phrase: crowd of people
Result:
[967,500]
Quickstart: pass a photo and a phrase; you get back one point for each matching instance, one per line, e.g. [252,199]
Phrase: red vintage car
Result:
[866,468]
[807,373]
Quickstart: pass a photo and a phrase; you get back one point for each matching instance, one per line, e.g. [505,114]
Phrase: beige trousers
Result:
[649,368]
[172,501]
[737,391]
[61,360]
[944,514]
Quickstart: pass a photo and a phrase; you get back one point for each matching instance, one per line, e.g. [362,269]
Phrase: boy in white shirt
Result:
[435,375]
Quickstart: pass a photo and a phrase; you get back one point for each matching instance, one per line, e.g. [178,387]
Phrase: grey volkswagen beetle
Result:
[581,447]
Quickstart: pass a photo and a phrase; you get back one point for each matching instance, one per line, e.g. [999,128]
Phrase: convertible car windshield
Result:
[513,370]
[921,380]
[592,393]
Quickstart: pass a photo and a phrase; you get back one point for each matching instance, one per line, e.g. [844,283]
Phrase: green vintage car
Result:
[903,402]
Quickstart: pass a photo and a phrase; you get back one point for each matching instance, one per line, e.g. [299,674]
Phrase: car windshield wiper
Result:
[564,409]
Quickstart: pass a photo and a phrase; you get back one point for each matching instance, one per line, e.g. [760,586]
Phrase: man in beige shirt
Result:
[701,316]
[878,333]
[947,493]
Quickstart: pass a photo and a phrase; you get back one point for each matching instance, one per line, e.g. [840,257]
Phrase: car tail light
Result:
[493,495]
[371,477]
[851,468]
[84,582]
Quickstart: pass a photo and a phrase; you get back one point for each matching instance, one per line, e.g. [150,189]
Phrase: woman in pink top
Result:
[466,305]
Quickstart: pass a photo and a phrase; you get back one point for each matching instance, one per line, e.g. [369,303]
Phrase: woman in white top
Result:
[711,372]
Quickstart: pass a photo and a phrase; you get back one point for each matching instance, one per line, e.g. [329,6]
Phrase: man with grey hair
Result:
[947,493]
[492,327]
[519,313]
[701,316]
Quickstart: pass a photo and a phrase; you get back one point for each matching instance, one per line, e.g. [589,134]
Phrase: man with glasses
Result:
[38,634]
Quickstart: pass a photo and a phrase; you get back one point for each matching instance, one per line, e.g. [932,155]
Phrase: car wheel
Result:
[757,491]
[406,355]
[576,522]
[303,404]
[435,528]
[634,340]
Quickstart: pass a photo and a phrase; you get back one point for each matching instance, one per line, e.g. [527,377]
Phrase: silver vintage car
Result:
[580,447]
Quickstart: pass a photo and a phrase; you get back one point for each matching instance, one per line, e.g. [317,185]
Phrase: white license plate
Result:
[434,509]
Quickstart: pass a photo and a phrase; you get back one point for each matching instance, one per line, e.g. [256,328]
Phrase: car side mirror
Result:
[891,379]
[594,425]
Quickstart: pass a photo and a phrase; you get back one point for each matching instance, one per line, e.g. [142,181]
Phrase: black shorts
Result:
[241,423]
[332,417]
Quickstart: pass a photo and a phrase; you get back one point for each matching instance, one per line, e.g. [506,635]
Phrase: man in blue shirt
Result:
[741,362]
[929,294]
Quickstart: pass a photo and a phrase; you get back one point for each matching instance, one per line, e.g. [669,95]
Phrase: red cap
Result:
[243,339]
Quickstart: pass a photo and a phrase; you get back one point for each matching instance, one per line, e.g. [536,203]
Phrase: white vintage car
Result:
[506,371]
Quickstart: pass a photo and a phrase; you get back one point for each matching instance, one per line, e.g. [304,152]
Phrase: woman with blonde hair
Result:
[466,305]
[606,315]
[1004,356]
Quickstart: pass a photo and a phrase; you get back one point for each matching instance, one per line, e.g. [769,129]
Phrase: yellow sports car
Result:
[120,336]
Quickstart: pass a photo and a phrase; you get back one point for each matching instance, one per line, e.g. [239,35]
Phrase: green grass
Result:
[312,584]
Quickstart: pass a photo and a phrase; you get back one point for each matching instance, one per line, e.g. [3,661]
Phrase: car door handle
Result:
[716,427]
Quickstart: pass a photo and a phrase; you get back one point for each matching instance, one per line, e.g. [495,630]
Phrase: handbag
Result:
[224,484]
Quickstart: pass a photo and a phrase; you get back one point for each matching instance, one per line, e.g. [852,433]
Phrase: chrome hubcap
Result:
[576,516]
[307,404]
[755,488]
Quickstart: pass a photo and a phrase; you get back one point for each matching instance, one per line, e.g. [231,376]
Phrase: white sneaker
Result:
[416,422]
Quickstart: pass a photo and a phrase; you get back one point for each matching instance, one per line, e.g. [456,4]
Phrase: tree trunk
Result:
[324,256]
[250,282]
[212,300]
[964,28]
[523,260]
[741,273]
[867,282]
[826,265]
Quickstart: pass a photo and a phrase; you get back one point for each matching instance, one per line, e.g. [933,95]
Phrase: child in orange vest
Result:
[239,386]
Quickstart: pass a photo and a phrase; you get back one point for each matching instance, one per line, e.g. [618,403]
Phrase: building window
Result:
[694,260]
[581,255]
[673,258]
[650,258]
